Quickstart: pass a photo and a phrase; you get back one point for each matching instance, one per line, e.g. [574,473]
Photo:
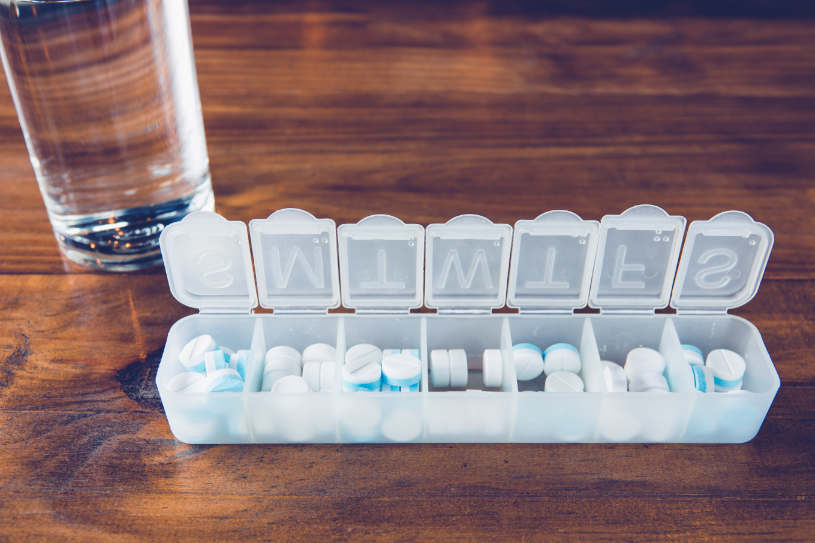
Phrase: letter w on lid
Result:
[467,264]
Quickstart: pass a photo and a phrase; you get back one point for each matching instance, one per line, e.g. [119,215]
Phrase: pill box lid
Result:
[552,262]
[208,263]
[295,261]
[722,263]
[637,253]
[381,261]
[467,264]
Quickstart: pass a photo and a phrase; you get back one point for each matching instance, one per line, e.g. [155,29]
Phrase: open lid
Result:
[467,264]
[552,262]
[722,263]
[295,261]
[636,259]
[381,261]
[208,263]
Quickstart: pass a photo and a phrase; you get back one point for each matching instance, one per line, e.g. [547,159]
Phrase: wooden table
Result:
[426,112]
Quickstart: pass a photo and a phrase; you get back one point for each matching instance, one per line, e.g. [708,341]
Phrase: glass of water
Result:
[107,98]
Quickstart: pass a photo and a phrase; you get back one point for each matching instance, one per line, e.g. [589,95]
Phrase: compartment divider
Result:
[340,349]
[254,373]
[677,369]
[425,388]
[510,381]
[591,370]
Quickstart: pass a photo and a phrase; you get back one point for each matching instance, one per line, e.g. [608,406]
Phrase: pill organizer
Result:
[626,266]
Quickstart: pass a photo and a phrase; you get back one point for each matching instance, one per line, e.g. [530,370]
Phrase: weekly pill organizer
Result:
[625,265]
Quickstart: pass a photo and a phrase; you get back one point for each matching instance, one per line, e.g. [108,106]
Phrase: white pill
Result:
[693,355]
[368,377]
[361,355]
[561,357]
[528,361]
[188,382]
[290,384]
[411,352]
[440,368]
[458,368]
[492,368]
[327,375]
[401,370]
[311,373]
[390,352]
[192,354]
[643,360]
[563,381]
[284,352]
[728,369]
[319,352]
[226,380]
[613,377]
[648,382]
[402,426]
[277,368]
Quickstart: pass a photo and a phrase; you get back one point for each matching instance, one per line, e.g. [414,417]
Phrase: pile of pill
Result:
[560,363]
[209,367]
[722,371]
[448,368]
[369,368]
[286,371]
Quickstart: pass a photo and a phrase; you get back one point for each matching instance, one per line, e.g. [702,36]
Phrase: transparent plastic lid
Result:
[722,263]
[636,259]
[295,260]
[467,263]
[552,262]
[381,261]
[208,263]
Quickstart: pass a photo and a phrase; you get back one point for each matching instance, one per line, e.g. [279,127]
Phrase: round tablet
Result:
[288,365]
[492,368]
[361,355]
[458,368]
[693,355]
[215,360]
[728,369]
[311,373]
[290,384]
[284,352]
[561,357]
[239,362]
[643,360]
[648,382]
[367,377]
[319,352]
[401,369]
[528,361]
[187,382]
[612,377]
[192,354]
[440,368]
[563,381]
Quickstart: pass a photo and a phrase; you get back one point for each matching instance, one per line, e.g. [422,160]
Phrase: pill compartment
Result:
[465,268]
[207,418]
[383,416]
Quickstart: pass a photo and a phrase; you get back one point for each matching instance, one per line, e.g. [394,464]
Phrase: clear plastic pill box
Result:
[625,265]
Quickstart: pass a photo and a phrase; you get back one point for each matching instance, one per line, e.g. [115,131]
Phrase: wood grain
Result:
[426,111]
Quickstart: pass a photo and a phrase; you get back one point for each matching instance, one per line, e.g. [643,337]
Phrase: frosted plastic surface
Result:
[208,263]
[467,263]
[722,262]
[636,259]
[295,260]
[552,262]
[381,261]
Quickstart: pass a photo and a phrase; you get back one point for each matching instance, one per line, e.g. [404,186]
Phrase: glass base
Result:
[124,239]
